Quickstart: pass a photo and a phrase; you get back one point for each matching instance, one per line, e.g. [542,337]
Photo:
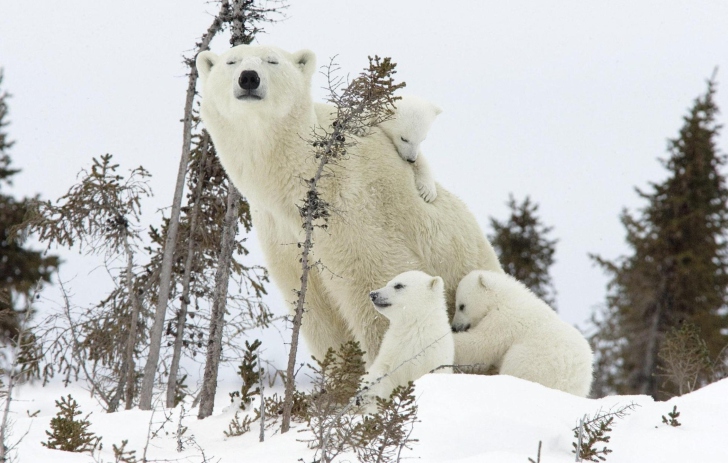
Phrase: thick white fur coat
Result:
[379,226]
[510,328]
[419,338]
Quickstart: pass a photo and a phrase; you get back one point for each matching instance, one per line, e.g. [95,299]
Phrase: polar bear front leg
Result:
[474,351]
[424,180]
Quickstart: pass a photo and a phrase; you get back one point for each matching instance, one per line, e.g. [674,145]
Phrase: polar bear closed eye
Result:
[418,339]
[408,128]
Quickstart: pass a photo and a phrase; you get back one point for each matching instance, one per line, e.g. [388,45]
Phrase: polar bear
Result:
[500,322]
[257,107]
[419,338]
[407,128]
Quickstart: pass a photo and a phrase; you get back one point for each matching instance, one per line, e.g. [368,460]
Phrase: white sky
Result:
[570,102]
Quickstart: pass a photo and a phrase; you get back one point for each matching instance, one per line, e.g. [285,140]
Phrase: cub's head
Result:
[409,294]
[259,80]
[474,299]
[410,124]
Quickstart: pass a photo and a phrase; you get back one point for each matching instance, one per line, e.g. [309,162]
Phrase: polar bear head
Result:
[409,125]
[475,298]
[409,294]
[254,81]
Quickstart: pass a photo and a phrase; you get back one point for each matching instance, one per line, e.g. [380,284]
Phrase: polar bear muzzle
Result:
[379,301]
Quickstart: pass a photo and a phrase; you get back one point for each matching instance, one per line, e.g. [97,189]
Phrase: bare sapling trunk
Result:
[165,279]
[219,303]
[366,102]
[185,297]
[133,322]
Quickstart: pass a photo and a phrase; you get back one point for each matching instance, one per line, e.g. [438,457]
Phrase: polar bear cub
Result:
[408,128]
[499,322]
[419,338]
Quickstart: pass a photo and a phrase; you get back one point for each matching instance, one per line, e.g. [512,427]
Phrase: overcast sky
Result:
[570,102]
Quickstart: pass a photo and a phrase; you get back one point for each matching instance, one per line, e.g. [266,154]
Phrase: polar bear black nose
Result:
[249,80]
[373,295]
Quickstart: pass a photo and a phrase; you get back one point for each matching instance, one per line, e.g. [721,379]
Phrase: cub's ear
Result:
[481,281]
[437,109]
[436,283]
[204,62]
[306,61]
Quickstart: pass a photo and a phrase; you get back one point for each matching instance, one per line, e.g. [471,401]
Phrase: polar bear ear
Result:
[306,61]
[437,109]
[436,283]
[204,62]
[481,281]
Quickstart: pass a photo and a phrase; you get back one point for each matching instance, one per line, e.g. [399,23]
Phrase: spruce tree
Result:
[677,271]
[21,268]
[524,249]
[69,433]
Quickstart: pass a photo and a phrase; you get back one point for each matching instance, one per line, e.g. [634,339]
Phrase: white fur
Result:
[419,338]
[510,328]
[379,228]
[407,129]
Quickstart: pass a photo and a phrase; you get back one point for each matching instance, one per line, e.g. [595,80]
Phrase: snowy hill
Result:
[464,418]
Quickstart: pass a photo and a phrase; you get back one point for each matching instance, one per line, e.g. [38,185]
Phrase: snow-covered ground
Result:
[464,418]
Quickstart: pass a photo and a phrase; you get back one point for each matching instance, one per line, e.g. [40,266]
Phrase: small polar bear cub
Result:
[407,129]
[419,338]
[499,322]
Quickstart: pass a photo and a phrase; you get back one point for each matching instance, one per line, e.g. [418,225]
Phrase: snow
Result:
[463,418]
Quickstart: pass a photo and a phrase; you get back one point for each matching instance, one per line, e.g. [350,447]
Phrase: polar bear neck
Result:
[252,148]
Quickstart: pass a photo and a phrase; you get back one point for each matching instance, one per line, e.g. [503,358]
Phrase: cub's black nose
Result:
[249,80]
[373,295]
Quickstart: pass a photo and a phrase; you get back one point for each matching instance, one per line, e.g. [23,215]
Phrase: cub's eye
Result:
[398,286]
[404,139]
[232,62]
[462,307]
[272,61]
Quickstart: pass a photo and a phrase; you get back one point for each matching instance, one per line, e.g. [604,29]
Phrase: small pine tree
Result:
[524,250]
[68,433]
[121,455]
[250,372]
[383,436]
[672,418]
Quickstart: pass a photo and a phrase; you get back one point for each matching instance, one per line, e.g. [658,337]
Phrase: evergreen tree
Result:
[524,249]
[69,433]
[678,268]
[20,268]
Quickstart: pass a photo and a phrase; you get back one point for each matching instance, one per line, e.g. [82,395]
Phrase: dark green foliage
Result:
[685,358]
[250,372]
[524,250]
[181,391]
[340,372]
[121,455]
[382,436]
[237,427]
[672,418]
[677,269]
[68,433]
[21,268]
[593,431]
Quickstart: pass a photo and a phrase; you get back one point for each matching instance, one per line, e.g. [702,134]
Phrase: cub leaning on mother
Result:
[257,107]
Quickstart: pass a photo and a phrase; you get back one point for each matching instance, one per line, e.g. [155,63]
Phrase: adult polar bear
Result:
[257,107]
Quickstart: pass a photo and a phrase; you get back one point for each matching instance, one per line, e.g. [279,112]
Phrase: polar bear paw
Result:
[427,189]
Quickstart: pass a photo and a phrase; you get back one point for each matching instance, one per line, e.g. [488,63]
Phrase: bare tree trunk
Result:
[185,297]
[165,279]
[217,317]
[133,322]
